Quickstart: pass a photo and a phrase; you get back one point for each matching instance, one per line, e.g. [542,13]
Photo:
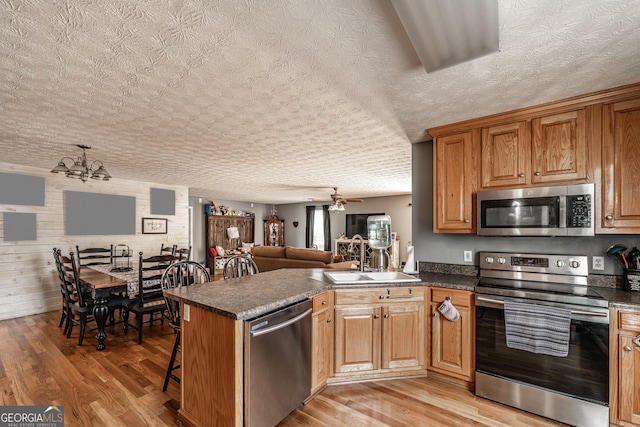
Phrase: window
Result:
[318,229]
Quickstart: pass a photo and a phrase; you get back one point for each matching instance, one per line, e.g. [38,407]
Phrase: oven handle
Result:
[580,312]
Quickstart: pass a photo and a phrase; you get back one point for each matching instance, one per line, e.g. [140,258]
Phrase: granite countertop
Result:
[620,298]
[248,297]
[251,296]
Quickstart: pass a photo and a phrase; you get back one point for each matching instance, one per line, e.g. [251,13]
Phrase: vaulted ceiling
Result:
[277,101]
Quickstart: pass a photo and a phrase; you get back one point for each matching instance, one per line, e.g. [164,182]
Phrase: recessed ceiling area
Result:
[277,102]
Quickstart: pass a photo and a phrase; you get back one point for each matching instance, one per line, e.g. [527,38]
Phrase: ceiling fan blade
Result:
[352,200]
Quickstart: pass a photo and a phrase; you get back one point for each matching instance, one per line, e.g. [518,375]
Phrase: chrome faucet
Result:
[350,249]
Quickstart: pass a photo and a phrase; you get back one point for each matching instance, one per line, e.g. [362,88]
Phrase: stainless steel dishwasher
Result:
[277,357]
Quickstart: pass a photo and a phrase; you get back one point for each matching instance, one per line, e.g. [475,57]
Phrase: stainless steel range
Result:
[563,375]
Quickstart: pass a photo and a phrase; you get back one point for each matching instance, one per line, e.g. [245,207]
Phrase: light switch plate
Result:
[468,256]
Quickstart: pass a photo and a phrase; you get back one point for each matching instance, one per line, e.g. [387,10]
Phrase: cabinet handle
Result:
[537,173]
[466,220]
[627,348]
[399,296]
[435,314]
[521,175]
[609,217]
[381,296]
[324,303]
[386,316]
[328,320]
[376,316]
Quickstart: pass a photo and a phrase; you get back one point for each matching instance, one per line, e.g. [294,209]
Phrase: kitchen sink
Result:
[370,277]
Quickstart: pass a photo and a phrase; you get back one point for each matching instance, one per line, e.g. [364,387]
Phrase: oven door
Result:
[584,373]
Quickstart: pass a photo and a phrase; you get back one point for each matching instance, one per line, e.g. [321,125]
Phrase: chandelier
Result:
[81,169]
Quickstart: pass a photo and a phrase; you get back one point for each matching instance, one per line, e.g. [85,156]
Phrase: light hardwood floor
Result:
[122,386]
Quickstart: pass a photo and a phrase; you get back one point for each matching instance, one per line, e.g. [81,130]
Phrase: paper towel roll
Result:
[410,265]
[448,310]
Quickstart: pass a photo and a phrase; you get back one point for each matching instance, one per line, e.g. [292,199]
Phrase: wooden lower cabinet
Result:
[321,340]
[624,358]
[452,350]
[379,332]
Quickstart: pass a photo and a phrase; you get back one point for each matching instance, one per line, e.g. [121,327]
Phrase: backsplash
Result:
[436,267]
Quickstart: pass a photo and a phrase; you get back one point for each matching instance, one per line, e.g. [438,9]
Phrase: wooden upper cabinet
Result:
[559,148]
[455,182]
[546,150]
[505,155]
[621,167]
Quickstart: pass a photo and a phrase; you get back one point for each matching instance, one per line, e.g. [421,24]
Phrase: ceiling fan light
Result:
[336,207]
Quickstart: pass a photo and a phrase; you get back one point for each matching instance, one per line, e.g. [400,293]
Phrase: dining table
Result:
[102,286]
[104,281]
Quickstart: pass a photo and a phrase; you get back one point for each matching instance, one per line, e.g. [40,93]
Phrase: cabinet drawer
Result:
[629,320]
[321,301]
[458,297]
[373,295]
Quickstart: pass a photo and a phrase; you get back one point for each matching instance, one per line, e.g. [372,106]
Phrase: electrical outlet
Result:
[468,256]
[597,263]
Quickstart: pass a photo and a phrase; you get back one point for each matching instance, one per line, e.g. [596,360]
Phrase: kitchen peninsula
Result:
[213,332]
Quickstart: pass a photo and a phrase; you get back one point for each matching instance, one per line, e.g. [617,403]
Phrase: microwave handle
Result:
[563,212]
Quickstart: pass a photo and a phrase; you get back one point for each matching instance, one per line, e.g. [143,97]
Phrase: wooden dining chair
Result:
[94,256]
[80,303]
[149,299]
[183,254]
[238,266]
[168,250]
[64,291]
[179,274]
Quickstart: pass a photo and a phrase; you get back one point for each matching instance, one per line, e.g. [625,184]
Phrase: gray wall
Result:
[448,248]
[398,207]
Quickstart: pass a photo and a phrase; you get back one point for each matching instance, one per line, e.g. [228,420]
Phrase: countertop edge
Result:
[309,281]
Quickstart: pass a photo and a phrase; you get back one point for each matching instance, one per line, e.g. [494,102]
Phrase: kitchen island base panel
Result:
[212,369]
[542,402]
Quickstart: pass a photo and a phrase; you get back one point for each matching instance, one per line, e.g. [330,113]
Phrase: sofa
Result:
[269,258]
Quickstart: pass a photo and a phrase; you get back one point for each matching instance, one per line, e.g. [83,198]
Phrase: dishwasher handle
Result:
[281,325]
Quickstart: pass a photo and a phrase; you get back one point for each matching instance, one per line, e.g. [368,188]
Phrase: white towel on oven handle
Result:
[448,310]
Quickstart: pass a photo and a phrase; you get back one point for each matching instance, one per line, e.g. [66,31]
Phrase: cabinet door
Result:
[403,335]
[629,378]
[452,343]
[506,155]
[450,351]
[321,341]
[621,167]
[357,339]
[559,148]
[455,180]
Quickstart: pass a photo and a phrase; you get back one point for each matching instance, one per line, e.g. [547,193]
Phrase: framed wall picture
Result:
[154,226]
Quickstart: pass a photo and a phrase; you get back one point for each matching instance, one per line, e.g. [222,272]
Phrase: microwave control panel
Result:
[579,211]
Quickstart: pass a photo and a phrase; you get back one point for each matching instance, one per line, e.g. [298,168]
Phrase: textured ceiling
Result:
[277,101]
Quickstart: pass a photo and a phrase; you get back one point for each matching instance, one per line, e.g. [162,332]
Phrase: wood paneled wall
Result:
[28,280]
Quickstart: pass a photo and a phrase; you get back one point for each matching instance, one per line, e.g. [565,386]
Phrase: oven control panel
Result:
[555,264]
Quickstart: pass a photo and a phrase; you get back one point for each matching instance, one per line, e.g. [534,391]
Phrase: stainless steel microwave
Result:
[565,210]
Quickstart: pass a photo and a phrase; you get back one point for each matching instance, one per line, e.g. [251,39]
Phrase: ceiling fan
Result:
[339,202]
